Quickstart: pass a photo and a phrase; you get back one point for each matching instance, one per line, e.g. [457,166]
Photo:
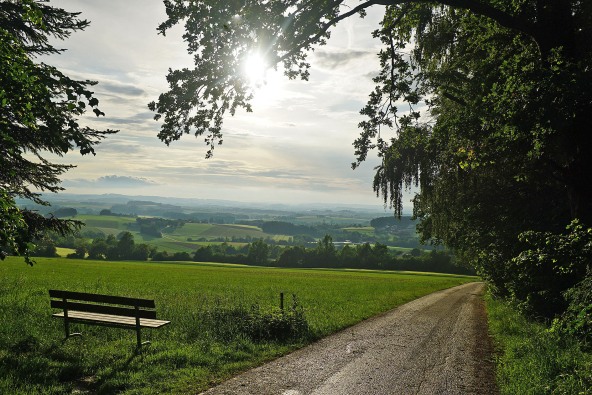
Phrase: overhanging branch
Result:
[479,8]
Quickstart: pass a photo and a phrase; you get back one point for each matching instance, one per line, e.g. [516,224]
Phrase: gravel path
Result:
[437,344]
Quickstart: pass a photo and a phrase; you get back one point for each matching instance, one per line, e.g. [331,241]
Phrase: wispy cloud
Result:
[119,147]
[334,59]
[110,181]
[121,89]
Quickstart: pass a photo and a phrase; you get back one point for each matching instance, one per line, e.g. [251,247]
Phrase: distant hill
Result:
[219,211]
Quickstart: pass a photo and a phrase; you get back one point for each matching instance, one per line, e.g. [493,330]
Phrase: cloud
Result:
[348,105]
[119,147]
[372,74]
[120,89]
[138,118]
[120,121]
[335,59]
[111,181]
[125,180]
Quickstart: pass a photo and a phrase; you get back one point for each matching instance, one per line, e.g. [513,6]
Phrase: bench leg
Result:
[67,327]
[67,322]
[139,342]
[67,330]
[138,328]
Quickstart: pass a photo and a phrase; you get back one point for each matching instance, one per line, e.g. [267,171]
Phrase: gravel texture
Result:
[437,344]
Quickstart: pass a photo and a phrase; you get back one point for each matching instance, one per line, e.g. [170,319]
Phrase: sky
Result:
[296,147]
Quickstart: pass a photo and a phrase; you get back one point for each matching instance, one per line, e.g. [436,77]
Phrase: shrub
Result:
[549,266]
[258,324]
[577,319]
[276,324]
[45,250]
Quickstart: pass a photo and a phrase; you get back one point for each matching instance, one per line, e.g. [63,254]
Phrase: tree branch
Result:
[327,26]
[479,8]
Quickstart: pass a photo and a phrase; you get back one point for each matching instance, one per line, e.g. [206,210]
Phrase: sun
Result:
[263,79]
[254,69]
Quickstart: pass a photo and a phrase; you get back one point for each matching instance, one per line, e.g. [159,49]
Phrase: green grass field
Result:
[215,230]
[106,221]
[366,230]
[63,252]
[194,351]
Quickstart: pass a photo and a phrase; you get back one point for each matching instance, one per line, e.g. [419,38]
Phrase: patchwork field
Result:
[327,219]
[365,230]
[209,306]
[182,239]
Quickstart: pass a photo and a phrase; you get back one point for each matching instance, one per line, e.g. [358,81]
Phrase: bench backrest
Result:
[103,304]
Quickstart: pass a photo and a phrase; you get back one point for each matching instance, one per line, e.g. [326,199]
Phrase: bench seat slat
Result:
[88,297]
[102,309]
[111,319]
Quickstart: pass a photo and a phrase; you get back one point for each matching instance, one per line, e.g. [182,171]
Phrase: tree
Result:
[554,33]
[258,252]
[546,41]
[204,254]
[141,252]
[326,253]
[495,127]
[348,256]
[39,111]
[325,246]
[125,245]
[46,248]
[98,249]
[415,252]
[503,155]
[293,256]
[380,254]
[364,254]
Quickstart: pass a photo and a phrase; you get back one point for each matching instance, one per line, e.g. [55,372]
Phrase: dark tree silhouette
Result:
[39,112]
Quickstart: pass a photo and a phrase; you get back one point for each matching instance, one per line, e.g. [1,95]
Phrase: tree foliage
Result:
[482,104]
[40,109]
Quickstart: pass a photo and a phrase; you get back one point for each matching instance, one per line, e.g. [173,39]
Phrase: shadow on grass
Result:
[30,366]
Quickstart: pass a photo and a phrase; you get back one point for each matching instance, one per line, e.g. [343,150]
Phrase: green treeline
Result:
[325,254]
[122,247]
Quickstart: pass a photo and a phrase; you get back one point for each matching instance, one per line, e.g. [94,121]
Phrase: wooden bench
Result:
[105,310]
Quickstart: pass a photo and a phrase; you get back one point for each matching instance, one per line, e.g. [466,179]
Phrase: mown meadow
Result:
[212,308]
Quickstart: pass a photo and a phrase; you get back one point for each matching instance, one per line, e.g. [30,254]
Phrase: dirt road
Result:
[437,344]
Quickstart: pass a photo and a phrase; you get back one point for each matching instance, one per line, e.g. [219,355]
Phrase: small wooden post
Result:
[282,301]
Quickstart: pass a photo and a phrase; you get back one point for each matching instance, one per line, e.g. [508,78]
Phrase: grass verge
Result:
[531,360]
